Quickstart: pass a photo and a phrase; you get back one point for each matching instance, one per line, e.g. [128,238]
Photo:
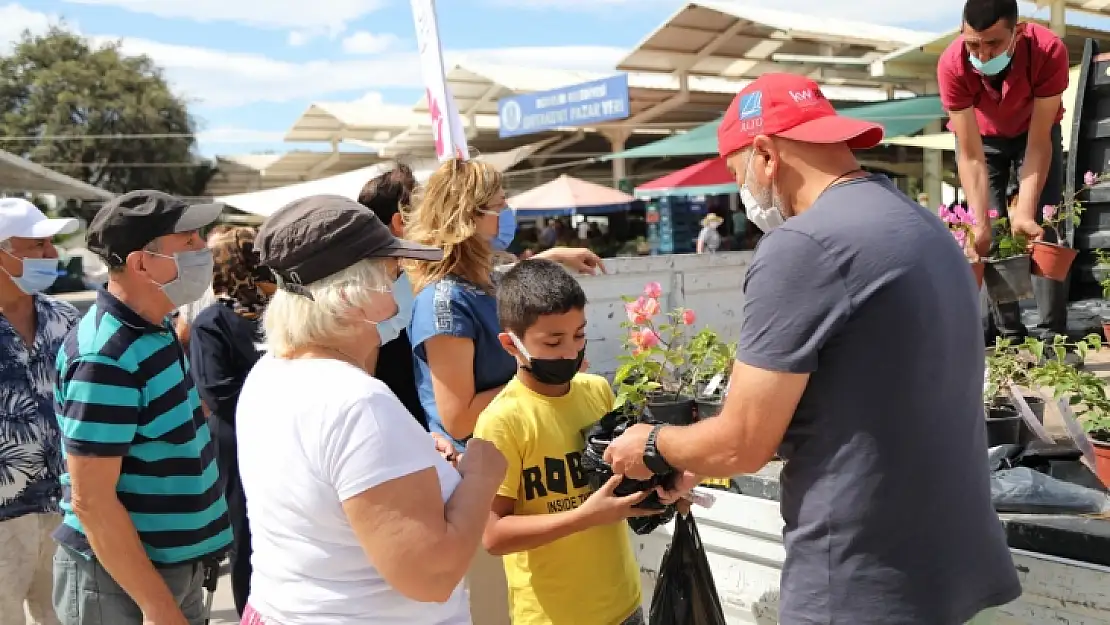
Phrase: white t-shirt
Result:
[312,434]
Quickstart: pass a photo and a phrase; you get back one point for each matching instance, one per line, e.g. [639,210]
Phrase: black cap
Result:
[314,237]
[131,221]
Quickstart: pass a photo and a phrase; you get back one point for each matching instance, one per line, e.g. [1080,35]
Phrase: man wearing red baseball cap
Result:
[860,356]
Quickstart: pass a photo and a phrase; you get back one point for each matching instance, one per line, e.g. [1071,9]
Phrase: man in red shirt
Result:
[1001,82]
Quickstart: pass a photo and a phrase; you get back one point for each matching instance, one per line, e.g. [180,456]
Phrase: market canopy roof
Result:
[257,172]
[567,196]
[735,41]
[898,117]
[349,184]
[20,175]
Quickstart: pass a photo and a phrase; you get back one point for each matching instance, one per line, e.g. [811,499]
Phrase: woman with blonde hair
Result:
[460,364]
[355,517]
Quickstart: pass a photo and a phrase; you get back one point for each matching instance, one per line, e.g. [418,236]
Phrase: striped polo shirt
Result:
[124,391]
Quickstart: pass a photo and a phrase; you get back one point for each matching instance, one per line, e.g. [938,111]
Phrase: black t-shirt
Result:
[886,487]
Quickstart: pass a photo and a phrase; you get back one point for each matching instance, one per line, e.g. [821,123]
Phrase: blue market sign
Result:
[584,104]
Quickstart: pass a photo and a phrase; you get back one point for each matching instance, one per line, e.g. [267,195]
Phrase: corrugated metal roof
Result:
[735,41]
[18,174]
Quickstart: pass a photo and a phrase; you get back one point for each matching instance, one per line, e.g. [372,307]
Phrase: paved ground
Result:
[223,606]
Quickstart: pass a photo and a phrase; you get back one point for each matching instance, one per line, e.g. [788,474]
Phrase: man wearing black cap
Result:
[142,501]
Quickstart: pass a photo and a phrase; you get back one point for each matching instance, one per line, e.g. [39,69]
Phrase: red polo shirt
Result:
[1038,69]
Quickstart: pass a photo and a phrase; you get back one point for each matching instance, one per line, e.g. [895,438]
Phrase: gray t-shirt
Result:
[886,491]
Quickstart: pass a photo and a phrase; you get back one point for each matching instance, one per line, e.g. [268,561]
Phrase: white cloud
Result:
[14,19]
[216,78]
[331,15]
[363,42]
[298,38]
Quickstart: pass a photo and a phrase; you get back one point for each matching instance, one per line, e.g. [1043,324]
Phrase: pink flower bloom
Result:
[653,290]
[635,311]
[962,216]
[643,339]
[961,238]
[688,317]
[992,213]
[1090,179]
[650,307]
[1049,211]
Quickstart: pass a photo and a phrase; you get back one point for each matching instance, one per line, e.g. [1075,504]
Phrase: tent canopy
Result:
[709,177]
[568,196]
[898,117]
[21,175]
[349,184]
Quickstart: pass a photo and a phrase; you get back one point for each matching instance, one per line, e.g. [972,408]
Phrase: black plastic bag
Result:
[684,591]
[598,472]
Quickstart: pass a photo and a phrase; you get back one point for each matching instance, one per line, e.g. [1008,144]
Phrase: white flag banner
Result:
[447,126]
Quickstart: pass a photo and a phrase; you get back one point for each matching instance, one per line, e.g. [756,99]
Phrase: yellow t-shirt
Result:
[588,578]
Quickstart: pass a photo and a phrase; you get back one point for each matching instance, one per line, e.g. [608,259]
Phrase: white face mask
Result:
[766,218]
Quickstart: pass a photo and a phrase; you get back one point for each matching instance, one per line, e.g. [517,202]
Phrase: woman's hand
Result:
[446,449]
[578,259]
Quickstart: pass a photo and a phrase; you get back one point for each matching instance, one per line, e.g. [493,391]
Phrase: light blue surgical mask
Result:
[506,229]
[994,66]
[391,328]
[39,274]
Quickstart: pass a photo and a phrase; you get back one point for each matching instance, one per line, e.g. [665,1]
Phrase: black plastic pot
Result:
[708,408]
[671,409]
[1009,279]
[1036,404]
[1003,426]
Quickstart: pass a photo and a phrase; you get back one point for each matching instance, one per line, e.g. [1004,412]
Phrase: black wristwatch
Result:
[654,460]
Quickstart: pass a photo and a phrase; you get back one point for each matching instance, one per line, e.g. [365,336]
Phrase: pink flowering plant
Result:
[663,352]
[961,224]
[1071,209]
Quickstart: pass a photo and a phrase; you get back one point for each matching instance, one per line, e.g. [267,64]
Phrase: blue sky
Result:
[251,67]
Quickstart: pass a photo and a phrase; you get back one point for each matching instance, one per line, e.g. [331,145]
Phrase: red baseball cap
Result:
[792,107]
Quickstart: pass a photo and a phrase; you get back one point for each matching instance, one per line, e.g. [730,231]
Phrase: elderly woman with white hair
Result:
[355,516]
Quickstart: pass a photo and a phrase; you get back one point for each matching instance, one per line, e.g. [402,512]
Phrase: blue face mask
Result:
[39,274]
[506,229]
[402,294]
[994,66]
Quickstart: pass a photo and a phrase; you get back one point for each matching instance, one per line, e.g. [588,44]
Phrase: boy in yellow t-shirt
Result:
[568,554]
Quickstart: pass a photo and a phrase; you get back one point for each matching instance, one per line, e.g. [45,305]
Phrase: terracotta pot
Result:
[1102,461]
[1052,261]
[1106,328]
[977,269]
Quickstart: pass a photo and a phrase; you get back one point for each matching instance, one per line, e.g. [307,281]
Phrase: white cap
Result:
[20,218]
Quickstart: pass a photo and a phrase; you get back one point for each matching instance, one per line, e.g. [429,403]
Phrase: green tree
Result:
[87,108]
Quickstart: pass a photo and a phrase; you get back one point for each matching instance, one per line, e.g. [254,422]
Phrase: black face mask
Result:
[555,371]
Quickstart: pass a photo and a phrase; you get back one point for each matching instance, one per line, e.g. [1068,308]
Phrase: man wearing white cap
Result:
[32,326]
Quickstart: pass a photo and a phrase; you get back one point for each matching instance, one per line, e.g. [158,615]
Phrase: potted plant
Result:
[1007,272]
[1053,260]
[653,372]
[711,361]
[1009,363]
[1086,394]
[960,223]
[1101,272]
